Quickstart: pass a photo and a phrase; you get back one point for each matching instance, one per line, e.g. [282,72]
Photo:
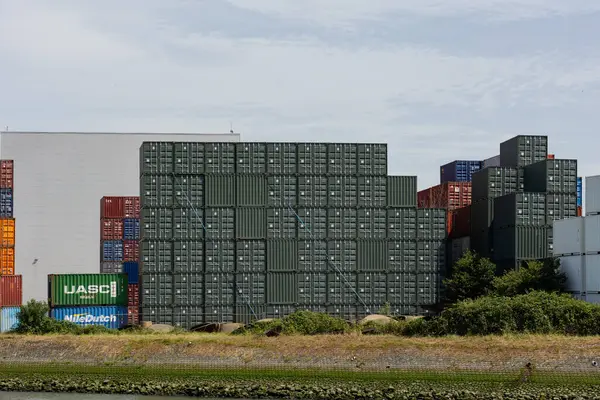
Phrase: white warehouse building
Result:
[59,179]
[577,244]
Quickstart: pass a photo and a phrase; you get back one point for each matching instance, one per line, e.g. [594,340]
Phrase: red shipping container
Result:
[131,207]
[131,250]
[133,294]
[550,156]
[449,221]
[579,211]
[133,315]
[11,290]
[448,195]
[461,222]
[111,229]
[112,207]
[6,174]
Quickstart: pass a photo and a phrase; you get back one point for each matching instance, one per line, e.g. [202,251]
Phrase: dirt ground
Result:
[493,354]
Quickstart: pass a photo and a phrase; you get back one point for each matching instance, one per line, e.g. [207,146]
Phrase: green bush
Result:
[299,323]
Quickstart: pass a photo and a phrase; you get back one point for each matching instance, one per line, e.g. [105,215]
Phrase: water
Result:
[78,396]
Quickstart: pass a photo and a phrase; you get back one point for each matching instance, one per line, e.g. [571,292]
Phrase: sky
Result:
[436,80]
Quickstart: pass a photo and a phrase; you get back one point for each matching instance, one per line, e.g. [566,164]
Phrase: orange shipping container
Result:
[579,211]
[7,261]
[7,232]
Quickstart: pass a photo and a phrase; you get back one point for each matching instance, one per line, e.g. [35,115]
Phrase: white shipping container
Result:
[568,236]
[593,298]
[459,247]
[572,266]
[592,273]
[591,234]
[492,162]
[592,195]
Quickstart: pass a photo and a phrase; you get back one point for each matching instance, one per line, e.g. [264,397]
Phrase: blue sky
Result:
[437,80]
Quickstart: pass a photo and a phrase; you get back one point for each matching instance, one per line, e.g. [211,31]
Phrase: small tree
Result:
[32,317]
[531,276]
[471,277]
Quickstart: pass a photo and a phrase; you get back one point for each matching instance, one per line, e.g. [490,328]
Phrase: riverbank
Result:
[249,366]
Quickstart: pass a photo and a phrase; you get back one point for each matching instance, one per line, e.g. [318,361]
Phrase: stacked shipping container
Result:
[234,232]
[120,244]
[11,288]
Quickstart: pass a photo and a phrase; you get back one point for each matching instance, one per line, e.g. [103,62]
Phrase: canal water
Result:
[79,396]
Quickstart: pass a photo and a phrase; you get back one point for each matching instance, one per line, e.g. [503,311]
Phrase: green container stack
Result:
[233,232]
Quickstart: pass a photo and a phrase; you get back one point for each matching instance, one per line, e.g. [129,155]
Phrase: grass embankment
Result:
[327,367]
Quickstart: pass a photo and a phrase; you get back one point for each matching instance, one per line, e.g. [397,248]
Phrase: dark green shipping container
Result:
[401,191]
[219,289]
[157,191]
[342,191]
[372,159]
[157,314]
[219,223]
[372,223]
[187,223]
[189,158]
[188,256]
[482,215]
[251,190]
[156,256]
[282,191]
[521,242]
[156,289]
[560,206]
[312,224]
[250,223]
[342,289]
[342,255]
[402,256]
[187,317]
[220,190]
[251,256]
[312,288]
[312,191]
[282,288]
[219,256]
[402,223]
[156,223]
[188,289]
[523,150]
[219,158]
[342,158]
[156,158]
[520,209]
[552,176]
[372,287]
[372,191]
[312,256]
[492,182]
[282,223]
[372,255]
[431,224]
[251,158]
[431,256]
[87,290]
[282,158]
[282,255]
[189,191]
[482,242]
[312,158]
[341,223]
[250,288]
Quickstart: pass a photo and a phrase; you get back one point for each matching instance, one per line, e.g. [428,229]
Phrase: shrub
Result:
[312,323]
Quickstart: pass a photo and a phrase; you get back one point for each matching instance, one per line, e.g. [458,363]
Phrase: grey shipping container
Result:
[523,150]
[514,209]
[492,182]
[560,206]
[341,159]
[482,242]
[250,223]
[219,158]
[157,314]
[342,191]
[189,158]
[312,256]
[482,215]
[220,190]
[282,288]
[281,223]
[431,224]
[341,255]
[431,256]
[372,287]
[372,223]
[188,224]
[251,256]
[402,288]
[282,158]
[111,268]
[188,256]
[521,242]
[372,159]
[247,313]
[402,223]
[156,158]
[219,256]
[344,311]
[403,310]
[156,191]
[251,158]
[189,316]
[219,223]
[312,191]
[312,288]
[372,255]
[552,176]
[428,288]
[317,308]
[156,223]
[156,289]
[401,191]
[219,288]
[189,191]
[251,190]
[372,191]
[250,288]
[188,289]
[312,223]
[282,255]
[218,313]
[402,256]
[312,158]
[342,289]
[280,310]
[156,256]
[282,191]
[341,223]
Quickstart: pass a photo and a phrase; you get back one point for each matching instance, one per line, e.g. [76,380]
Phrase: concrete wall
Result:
[59,180]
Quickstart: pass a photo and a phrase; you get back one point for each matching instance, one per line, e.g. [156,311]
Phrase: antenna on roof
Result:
[230,127]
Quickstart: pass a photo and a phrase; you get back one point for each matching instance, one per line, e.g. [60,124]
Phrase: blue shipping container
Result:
[8,318]
[113,317]
[112,250]
[459,170]
[131,229]
[6,203]
[131,268]
[579,191]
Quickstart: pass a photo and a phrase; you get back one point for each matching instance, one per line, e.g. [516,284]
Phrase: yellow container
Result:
[7,232]
[7,261]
